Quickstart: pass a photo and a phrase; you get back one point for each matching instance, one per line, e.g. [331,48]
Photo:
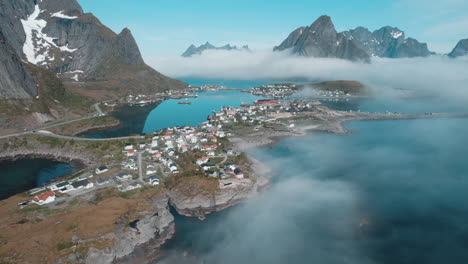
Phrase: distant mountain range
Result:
[194,50]
[322,40]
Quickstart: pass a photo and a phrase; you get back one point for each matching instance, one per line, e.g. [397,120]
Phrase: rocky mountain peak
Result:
[461,49]
[320,39]
[56,35]
[66,7]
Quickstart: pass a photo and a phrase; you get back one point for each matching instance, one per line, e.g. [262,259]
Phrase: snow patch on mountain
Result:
[62,15]
[37,44]
[396,34]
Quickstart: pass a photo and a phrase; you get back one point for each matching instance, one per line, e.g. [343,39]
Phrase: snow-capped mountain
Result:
[321,40]
[388,42]
[57,35]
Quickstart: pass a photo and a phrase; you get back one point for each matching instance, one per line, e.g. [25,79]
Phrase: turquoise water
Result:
[169,113]
[392,192]
[25,174]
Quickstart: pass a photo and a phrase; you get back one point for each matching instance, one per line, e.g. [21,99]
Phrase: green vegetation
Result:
[351,87]
[64,245]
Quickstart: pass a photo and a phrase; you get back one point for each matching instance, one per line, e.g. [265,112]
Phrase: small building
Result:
[101,170]
[129,187]
[207,166]
[85,176]
[58,185]
[239,174]
[154,180]
[211,173]
[128,146]
[103,181]
[142,145]
[82,184]
[44,198]
[203,160]
[124,177]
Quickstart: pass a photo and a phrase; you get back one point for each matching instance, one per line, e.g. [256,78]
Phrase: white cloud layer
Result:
[438,74]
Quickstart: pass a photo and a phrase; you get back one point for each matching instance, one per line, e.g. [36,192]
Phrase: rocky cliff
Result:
[460,50]
[194,50]
[58,36]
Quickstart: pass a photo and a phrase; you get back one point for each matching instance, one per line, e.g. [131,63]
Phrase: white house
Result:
[203,160]
[154,180]
[128,146]
[123,177]
[102,170]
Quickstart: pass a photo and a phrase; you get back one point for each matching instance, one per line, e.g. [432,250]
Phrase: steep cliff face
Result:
[15,80]
[460,50]
[321,40]
[58,36]
[387,42]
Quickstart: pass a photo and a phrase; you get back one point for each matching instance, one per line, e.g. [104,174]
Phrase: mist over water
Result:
[392,192]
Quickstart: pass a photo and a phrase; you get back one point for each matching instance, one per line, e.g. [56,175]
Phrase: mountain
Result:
[193,50]
[56,61]
[460,50]
[57,35]
[388,42]
[321,40]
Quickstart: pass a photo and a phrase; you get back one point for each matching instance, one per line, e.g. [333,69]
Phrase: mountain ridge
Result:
[321,39]
[194,50]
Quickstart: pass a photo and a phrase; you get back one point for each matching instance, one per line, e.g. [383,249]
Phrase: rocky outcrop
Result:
[387,42]
[193,50]
[321,40]
[199,202]
[140,241]
[460,50]
[38,150]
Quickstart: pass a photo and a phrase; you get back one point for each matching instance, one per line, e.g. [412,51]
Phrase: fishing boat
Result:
[184,103]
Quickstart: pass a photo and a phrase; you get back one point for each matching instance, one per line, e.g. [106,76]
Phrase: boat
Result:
[184,103]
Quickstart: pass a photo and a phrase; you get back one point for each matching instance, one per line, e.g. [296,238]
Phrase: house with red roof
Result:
[44,198]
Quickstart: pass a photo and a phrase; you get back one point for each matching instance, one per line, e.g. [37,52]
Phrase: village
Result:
[205,150]
[163,155]
[275,90]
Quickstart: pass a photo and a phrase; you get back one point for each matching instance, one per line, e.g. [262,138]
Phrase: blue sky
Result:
[168,27]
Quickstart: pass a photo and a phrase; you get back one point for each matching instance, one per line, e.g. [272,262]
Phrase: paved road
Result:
[98,109]
[140,168]
[50,134]
[223,161]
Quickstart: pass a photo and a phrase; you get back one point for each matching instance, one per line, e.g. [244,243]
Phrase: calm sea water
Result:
[22,175]
[392,192]
[169,113]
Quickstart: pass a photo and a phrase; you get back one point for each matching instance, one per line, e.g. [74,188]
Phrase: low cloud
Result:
[438,74]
